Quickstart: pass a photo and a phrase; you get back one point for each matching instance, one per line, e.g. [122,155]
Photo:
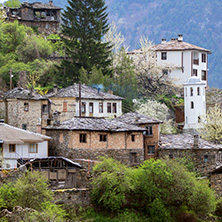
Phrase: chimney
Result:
[195,141]
[180,37]
[51,3]
[32,91]
[110,92]
[173,39]
[55,89]
[163,41]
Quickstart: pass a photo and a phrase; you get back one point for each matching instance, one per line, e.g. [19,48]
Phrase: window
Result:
[33,148]
[192,105]
[1,148]
[12,148]
[47,26]
[205,158]
[163,55]
[204,75]
[133,138]
[198,91]
[101,107]
[204,57]
[149,130]
[64,106]
[194,72]
[102,138]
[82,138]
[83,107]
[191,91]
[198,119]
[91,107]
[186,92]
[114,107]
[108,107]
[26,107]
[151,149]
[24,126]
[44,108]
[186,119]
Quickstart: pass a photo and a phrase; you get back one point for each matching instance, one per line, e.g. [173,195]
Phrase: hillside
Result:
[199,21]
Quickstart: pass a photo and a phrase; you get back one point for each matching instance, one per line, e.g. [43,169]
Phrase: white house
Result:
[18,145]
[93,102]
[194,102]
[186,59]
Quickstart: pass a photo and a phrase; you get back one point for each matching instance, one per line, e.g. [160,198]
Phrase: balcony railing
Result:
[196,61]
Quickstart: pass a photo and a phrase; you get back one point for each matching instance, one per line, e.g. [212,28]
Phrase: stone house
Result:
[206,155]
[44,17]
[90,138]
[25,109]
[92,102]
[18,146]
[151,134]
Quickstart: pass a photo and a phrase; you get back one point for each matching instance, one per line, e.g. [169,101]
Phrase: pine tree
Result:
[84,25]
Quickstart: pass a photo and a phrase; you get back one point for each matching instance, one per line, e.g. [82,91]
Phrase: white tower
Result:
[194,102]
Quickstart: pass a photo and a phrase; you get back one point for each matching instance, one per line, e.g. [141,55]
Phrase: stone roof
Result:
[86,93]
[39,5]
[95,124]
[175,45]
[10,134]
[137,119]
[184,142]
[20,93]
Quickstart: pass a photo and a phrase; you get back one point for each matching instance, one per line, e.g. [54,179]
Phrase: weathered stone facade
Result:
[25,109]
[44,17]
[151,131]
[118,146]
[206,155]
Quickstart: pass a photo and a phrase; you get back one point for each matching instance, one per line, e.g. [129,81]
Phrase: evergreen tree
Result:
[84,25]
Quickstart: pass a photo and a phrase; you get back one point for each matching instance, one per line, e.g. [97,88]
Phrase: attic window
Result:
[26,107]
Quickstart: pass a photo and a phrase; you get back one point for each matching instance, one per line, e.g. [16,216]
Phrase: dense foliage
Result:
[31,191]
[22,50]
[161,189]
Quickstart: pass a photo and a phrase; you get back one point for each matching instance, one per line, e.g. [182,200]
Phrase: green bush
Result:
[49,212]
[161,189]
[32,190]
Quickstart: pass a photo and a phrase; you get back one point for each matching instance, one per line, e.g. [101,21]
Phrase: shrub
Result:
[32,190]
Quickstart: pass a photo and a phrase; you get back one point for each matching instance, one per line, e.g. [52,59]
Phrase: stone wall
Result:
[2,109]
[126,153]
[205,160]
[216,183]
[45,27]
[66,107]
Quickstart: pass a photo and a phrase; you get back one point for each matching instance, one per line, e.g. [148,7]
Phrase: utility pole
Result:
[80,103]
[11,79]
